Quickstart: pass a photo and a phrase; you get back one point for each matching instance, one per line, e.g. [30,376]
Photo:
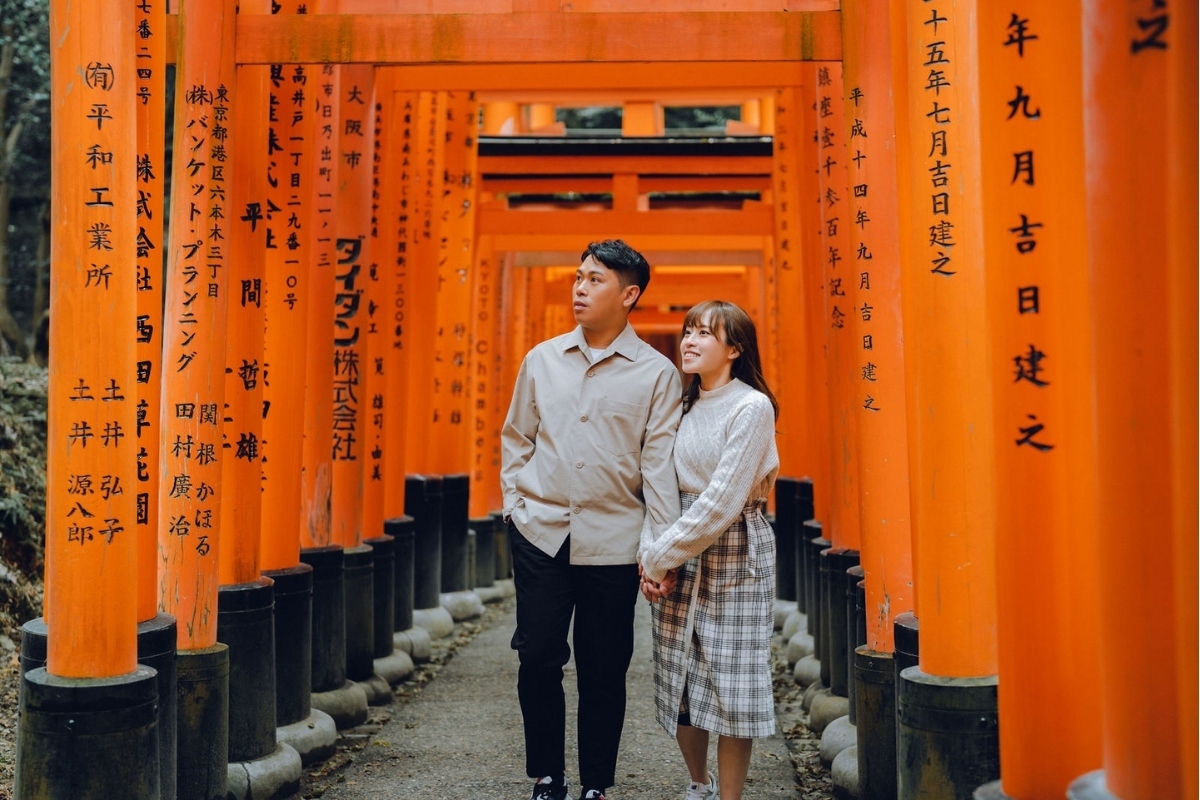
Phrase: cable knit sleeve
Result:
[749,434]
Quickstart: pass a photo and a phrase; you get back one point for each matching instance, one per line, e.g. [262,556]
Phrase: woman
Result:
[714,569]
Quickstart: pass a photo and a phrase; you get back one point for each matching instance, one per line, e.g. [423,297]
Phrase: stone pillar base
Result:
[313,738]
[271,777]
[347,704]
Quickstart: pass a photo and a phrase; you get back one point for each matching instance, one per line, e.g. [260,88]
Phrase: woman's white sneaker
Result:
[700,791]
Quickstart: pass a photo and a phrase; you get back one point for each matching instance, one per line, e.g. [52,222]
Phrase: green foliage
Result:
[22,464]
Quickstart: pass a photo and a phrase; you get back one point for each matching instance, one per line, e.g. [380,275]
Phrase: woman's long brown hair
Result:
[735,327]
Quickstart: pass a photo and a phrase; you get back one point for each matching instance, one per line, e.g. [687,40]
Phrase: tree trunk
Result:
[11,336]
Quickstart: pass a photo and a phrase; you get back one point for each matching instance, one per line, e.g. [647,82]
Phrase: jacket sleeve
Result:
[518,436]
[749,434]
[660,487]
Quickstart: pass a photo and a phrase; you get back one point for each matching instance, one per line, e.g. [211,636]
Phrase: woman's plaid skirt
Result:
[713,634]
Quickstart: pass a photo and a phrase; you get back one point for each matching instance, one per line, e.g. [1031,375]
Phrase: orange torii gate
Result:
[929,246]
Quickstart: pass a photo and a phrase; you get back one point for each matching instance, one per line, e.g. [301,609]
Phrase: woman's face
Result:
[704,351]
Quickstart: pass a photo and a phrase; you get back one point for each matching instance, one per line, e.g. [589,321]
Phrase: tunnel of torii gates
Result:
[965,229]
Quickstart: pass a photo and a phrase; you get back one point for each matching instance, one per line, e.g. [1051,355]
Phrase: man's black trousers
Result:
[602,598]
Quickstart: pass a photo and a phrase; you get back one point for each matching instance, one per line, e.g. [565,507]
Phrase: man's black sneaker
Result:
[548,789]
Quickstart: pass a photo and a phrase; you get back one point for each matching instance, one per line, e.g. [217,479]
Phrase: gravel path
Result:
[460,735]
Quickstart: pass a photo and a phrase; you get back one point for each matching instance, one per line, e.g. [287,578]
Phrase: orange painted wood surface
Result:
[150,68]
[397,228]
[1145,381]
[840,273]
[792,349]
[1035,233]
[578,6]
[1182,135]
[316,478]
[507,38]
[197,296]
[813,295]
[610,224]
[947,345]
[287,219]
[876,328]
[380,288]
[354,148]
[484,357]
[454,253]
[241,476]
[425,225]
[91,530]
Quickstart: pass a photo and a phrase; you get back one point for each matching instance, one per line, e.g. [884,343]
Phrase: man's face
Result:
[599,299]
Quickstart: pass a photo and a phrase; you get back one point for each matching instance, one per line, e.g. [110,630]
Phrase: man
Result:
[587,472]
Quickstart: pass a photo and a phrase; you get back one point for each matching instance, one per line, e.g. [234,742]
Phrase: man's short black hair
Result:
[629,264]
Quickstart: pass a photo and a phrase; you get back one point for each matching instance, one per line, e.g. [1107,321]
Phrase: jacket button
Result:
[591,373]
[576,510]
[583,418]
[578,465]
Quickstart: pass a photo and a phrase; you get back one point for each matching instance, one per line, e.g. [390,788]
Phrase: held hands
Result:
[656,591]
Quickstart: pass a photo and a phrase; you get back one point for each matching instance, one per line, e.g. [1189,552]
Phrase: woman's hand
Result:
[656,591]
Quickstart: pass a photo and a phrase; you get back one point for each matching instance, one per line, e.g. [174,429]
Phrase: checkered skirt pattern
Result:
[713,634]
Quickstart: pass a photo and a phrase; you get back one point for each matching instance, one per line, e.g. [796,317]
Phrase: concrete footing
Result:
[795,622]
[347,704]
[490,594]
[437,621]
[825,708]
[845,775]
[313,738]
[799,645]
[272,777]
[814,688]
[377,690]
[1090,786]
[807,671]
[416,642]
[395,667]
[993,791]
[783,608]
[462,605]
[837,736]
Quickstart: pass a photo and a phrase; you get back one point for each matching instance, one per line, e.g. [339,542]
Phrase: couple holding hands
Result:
[618,479]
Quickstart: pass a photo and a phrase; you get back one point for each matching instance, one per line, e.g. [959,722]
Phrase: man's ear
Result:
[629,295]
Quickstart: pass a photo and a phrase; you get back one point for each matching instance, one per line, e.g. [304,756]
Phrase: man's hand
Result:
[657,591]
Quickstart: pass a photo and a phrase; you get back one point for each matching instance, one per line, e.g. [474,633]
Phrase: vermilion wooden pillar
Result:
[150,65]
[288,218]
[354,270]
[316,479]
[197,294]
[876,330]
[423,279]
[840,269]
[1139,64]
[792,348]
[91,528]
[813,294]
[241,507]
[1031,111]
[398,240]
[952,464]
[454,253]
[484,353]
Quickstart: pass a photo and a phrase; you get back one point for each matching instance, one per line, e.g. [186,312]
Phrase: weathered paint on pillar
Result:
[791,345]
[1035,232]
[241,476]
[354,272]
[455,247]
[316,477]
[150,38]
[398,229]
[286,217]
[197,296]
[840,262]
[430,122]
[1133,55]
[485,349]
[876,331]
[952,463]
[813,294]
[91,539]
